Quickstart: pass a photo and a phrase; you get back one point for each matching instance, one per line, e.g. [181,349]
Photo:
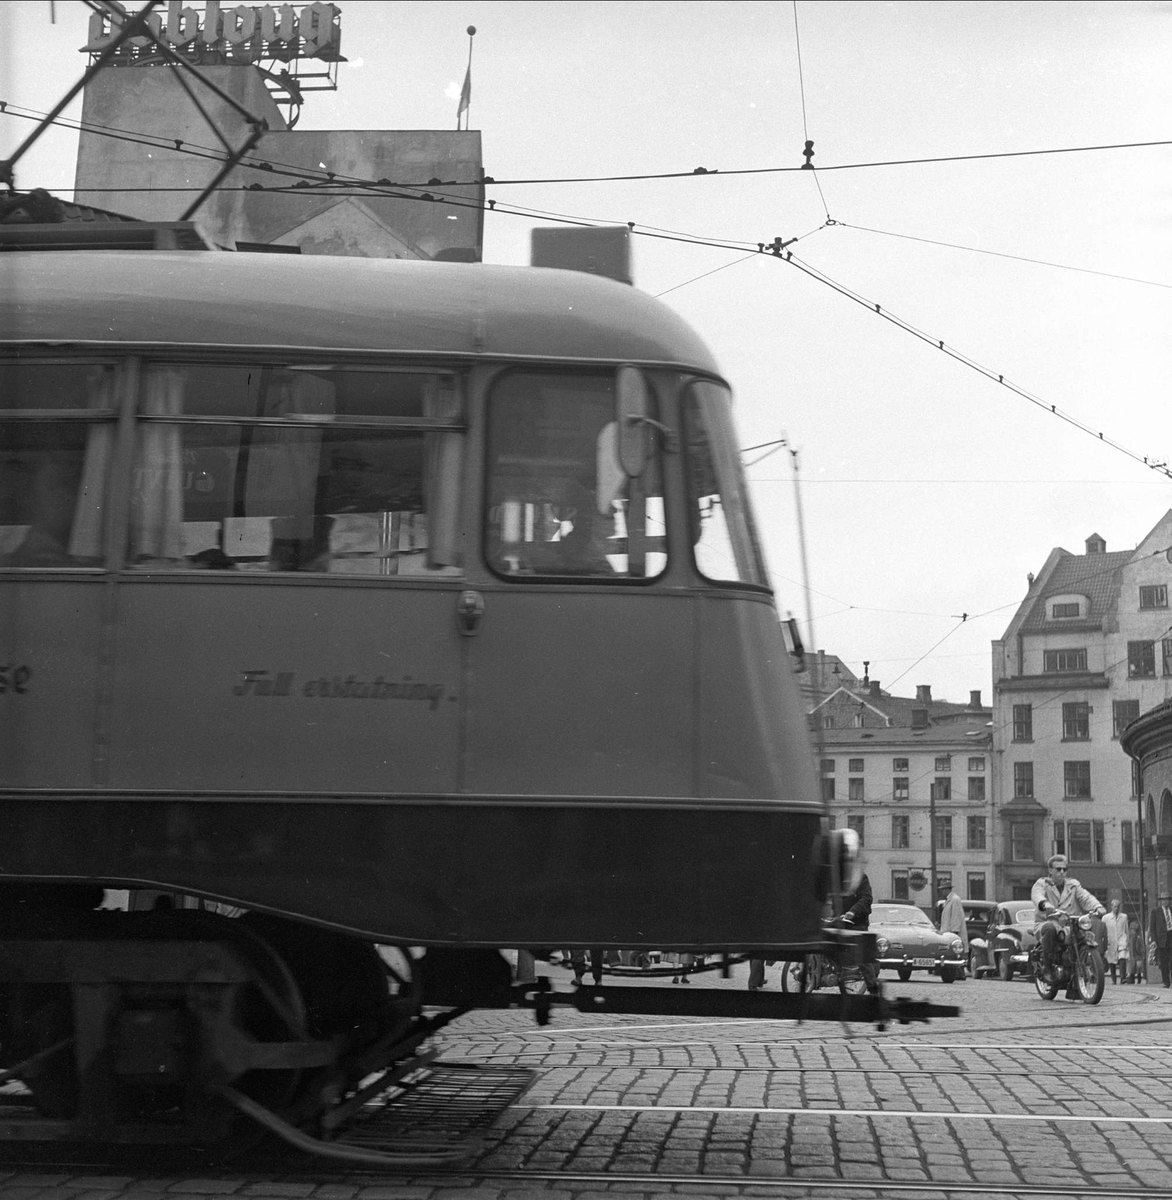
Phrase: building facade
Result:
[1148,740]
[1088,650]
[913,778]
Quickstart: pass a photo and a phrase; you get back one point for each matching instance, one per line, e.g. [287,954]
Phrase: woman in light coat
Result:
[1117,941]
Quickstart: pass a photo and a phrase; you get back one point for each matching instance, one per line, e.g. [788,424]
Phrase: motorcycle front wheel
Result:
[1046,990]
[1090,975]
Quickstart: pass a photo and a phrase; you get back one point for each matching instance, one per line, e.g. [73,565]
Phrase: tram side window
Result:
[724,539]
[56,438]
[559,502]
[282,467]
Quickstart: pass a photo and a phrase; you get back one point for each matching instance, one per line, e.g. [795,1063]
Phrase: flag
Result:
[465,95]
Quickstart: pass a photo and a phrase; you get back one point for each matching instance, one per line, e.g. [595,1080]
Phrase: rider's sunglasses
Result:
[1062,869]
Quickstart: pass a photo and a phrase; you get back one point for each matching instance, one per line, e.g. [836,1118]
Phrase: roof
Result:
[317,303]
[1090,575]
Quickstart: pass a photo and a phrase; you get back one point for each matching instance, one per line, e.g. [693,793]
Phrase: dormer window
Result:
[1065,610]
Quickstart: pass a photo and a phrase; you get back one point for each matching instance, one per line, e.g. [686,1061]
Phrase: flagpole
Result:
[466,91]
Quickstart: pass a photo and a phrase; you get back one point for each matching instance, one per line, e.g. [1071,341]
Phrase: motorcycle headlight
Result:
[1084,922]
[882,945]
[956,946]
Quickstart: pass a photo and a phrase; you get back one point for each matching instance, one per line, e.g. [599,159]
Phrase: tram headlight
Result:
[882,945]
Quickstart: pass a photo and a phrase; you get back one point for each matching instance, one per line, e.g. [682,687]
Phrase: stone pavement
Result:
[1016,1092]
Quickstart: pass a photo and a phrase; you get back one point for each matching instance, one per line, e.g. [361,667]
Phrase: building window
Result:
[977,887]
[828,766]
[1023,780]
[1079,834]
[1076,722]
[857,824]
[1064,660]
[977,764]
[976,787]
[976,832]
[1059,837]
[1166,655]
[1023,722]
[944,762]
[1153,596]
[1064,610]
[1141,660]
[859,722]
[942,788]
[1021,841]
[1098,835]
[1127,829]
[899,787]
[855,790]
[1123,712]
[856,766]
[943,833]
[899,886]
[900,831]
[827,722]
[827,789]
[900,765]
[1076,780]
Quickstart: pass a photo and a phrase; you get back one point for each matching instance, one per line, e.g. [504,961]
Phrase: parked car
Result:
[908,941]
[978,916]
[1004,949]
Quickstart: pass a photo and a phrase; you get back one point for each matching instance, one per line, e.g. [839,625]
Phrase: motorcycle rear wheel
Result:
[1090,975]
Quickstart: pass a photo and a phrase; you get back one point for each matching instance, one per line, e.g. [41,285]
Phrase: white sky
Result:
[928,490]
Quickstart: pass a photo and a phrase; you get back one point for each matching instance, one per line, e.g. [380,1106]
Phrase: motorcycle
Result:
[1080,966]
[820,971]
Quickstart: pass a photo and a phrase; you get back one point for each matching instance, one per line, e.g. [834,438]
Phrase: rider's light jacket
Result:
[1072,898]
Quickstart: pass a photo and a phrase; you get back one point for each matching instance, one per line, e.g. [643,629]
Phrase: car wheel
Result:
[905,973]
[1005,967]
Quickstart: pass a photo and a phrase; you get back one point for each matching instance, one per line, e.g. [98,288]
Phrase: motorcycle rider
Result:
[1055,893]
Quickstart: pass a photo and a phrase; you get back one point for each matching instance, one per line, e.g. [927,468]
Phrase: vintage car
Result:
[1004,949]
[908,941]
[978,917]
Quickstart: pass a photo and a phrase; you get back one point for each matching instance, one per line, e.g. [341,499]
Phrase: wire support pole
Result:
[136,25]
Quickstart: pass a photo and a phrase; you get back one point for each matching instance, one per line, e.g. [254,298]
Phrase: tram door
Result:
[581,671]
[56,437]
[286,622]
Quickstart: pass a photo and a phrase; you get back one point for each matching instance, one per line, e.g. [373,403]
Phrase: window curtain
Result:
[85,538]
[156,513]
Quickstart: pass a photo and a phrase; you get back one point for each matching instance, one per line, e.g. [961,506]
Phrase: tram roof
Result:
[321,303]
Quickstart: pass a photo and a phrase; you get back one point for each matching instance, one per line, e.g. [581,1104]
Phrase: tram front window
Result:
[724,539]
[559,502]
[296,468]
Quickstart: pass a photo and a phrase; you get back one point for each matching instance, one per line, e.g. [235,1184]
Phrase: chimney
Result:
[876,691]
[924,693]
[919,718]
[1096,545]
[975,698]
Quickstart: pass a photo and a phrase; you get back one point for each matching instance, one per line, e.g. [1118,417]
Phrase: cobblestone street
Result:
[1016,1097]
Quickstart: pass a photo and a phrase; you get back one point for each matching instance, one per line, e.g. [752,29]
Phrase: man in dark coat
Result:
[857,915]
[1160,928]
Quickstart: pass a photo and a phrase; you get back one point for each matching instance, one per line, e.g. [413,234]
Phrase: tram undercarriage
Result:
[188,1028]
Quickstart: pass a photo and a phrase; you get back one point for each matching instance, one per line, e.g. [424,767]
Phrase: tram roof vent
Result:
[601,250]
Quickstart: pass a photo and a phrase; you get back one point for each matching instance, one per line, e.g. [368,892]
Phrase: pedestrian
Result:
[857,915]
[952,921]
[1160,932]
[1116,941]
[1138,954]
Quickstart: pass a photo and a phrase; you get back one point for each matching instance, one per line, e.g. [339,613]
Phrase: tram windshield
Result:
[724,538]
[559,501]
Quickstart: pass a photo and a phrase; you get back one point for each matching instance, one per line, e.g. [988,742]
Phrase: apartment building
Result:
[897,771]
[1088,650]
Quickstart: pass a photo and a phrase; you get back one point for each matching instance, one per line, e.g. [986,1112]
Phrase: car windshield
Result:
[898,914]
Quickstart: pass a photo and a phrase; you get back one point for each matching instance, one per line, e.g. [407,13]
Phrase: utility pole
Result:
[932,842]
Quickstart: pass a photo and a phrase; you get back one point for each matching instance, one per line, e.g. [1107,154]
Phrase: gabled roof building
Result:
[894,769]
[1088,650]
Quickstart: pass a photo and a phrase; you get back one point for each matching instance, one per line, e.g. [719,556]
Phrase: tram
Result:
[350,603]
